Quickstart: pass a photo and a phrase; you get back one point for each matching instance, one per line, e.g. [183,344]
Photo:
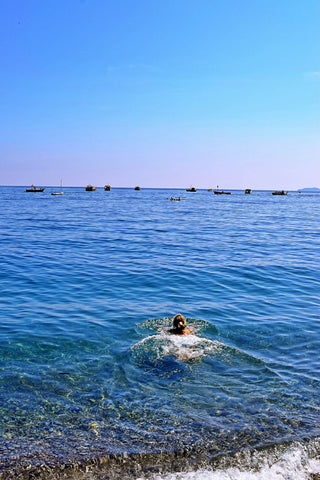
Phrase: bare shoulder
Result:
[189,331]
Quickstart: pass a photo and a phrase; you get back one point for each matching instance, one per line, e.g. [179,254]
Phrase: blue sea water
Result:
[90,282]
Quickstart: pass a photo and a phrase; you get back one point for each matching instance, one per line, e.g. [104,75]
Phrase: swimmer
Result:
[179,326]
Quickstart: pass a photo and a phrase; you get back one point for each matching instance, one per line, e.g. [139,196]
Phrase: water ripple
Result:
[88,280]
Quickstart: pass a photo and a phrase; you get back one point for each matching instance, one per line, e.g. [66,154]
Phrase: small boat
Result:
[220,192]
[58,193]
[279,192]
[247,191]
[137,188]
[191,189]
[209,189]
[107,188]
[90,188]
[35,189]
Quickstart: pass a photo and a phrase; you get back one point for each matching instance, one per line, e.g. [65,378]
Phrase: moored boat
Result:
[35,189]
[137,188]
[279,192]
[107,188]
[191,189]
[220,192]
[247,191]
[90,188]
[58,193]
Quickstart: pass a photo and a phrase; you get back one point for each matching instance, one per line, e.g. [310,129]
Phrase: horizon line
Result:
[166,188]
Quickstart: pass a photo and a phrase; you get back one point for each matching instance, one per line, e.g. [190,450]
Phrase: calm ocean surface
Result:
[91,384]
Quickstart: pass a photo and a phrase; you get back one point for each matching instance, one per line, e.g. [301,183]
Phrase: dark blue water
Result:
[89,284]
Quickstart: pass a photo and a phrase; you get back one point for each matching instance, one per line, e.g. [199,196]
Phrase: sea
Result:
[92,385]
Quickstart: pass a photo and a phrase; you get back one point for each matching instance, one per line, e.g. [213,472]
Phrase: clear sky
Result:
[160,93]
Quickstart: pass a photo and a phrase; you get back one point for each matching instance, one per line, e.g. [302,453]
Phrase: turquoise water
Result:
[90,282]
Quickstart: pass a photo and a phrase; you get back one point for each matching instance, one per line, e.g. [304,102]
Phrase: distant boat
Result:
[35,189]
[137,188]
[107,188]
[248,190]
[191,189]
[279,192]
[220,192]
[58,193]
[209,189]
[90,188]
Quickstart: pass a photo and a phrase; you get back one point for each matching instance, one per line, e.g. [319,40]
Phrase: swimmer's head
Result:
[179,322]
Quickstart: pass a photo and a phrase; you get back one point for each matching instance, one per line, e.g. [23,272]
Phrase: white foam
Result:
[189,347]
[294,464]
[183,347]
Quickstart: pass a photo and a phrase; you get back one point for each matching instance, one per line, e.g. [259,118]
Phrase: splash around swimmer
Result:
[179,326]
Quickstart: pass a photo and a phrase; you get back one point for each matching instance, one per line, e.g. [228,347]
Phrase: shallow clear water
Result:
[90,282]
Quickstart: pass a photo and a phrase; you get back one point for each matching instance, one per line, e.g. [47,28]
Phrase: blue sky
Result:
[160,93]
